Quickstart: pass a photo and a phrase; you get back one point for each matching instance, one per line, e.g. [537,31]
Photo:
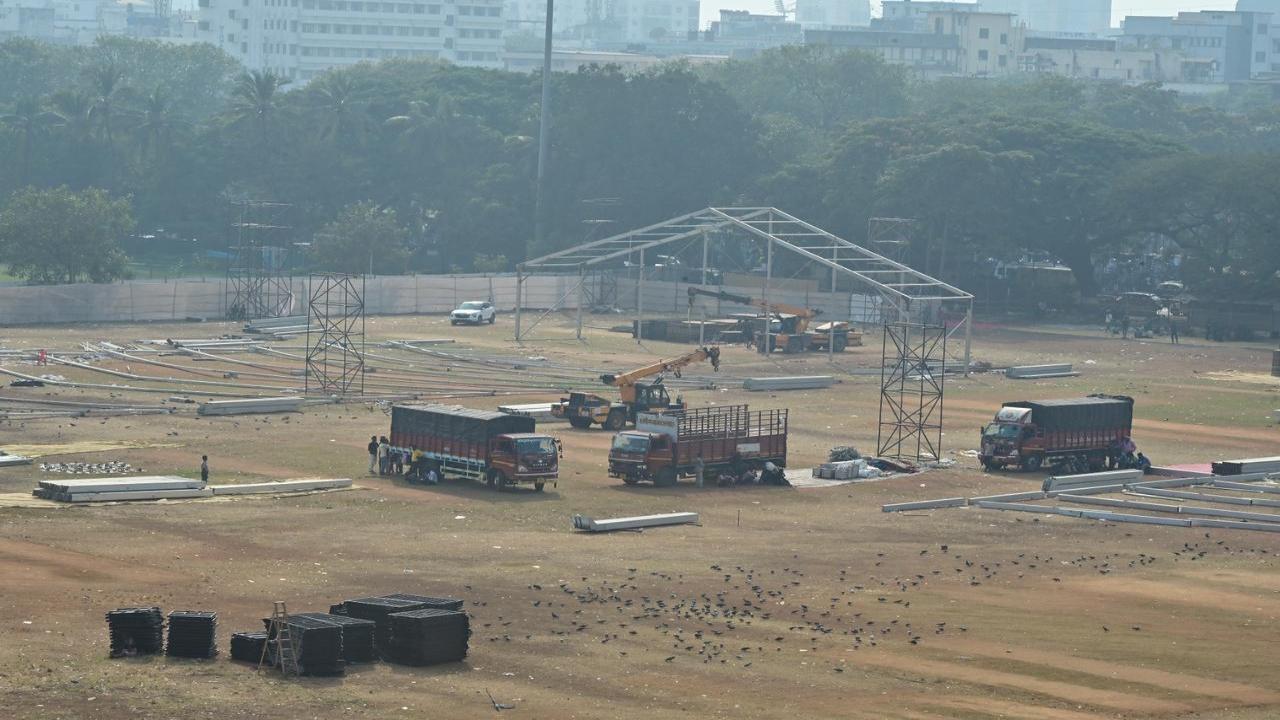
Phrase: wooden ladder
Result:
[278,633]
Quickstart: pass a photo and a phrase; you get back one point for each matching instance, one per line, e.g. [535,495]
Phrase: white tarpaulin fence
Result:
[157,300]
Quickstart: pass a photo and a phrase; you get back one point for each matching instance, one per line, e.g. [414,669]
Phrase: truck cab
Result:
[1003,440]
[524,458]
[637,455]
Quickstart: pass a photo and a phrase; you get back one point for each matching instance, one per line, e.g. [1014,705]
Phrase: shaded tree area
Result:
[424,167]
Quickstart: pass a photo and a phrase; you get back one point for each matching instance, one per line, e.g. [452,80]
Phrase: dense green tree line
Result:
[421,166]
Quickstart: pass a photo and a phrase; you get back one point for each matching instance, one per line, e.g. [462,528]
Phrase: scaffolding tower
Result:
[335,334]
[912,385]
[255,285]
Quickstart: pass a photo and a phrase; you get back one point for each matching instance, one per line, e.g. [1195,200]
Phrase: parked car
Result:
[474,312]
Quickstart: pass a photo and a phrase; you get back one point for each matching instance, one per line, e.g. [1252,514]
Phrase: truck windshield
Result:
[630,443]
[1004,432]
[536,446]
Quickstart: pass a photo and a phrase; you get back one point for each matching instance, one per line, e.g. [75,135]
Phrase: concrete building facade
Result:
[300,39]
[1219,46]
[988,43]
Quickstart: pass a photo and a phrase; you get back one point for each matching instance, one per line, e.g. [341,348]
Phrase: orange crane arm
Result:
[671,365]
[805,314]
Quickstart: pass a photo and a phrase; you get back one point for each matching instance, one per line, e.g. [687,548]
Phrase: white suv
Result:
[473,312]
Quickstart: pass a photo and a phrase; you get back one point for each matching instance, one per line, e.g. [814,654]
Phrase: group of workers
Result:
[386,460]
[770,474]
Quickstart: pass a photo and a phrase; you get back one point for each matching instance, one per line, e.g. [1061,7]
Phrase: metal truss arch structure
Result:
[907,295]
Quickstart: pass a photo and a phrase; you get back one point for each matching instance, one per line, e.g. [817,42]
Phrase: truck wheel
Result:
[630,480]
[502,483]
[537,487]
[579,422]
[617,420]
[665,478]
[491,479]
[1032,464]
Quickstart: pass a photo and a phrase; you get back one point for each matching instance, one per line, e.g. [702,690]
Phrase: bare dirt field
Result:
[782,603]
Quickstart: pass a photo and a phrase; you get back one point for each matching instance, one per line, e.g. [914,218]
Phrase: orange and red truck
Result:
[501,449]
[666,446]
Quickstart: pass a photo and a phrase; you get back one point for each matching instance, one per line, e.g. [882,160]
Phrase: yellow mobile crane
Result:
[582,409]
[793,334]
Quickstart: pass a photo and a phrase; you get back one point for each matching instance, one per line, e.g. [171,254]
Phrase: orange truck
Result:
[501,449]
[666,446]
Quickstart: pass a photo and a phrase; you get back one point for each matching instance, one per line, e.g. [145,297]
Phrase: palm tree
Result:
[72,110]
[157,122]
[254,100]
[107,90]
[339,101]
[28,119]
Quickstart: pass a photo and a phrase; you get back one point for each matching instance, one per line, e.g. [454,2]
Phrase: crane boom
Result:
[671,365]
[804,314]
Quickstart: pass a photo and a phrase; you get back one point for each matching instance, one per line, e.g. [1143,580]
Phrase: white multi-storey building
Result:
[300,39]
[1068,17]
[824,14]
[630,21]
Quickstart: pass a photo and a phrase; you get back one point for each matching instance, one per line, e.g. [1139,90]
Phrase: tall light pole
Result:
[544,121]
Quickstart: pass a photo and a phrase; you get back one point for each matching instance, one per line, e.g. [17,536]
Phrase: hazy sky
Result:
[1120,8]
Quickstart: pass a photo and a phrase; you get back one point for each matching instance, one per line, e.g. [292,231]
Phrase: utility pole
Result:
[544,121]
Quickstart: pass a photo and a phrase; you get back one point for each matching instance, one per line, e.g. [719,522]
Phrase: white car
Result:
[473,312]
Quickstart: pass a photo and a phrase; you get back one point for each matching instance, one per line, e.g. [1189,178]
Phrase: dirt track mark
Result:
[1238,693]
[1005,708]
[26,564]
[1078,694]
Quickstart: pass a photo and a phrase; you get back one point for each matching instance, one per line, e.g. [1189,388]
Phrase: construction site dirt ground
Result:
[781,603]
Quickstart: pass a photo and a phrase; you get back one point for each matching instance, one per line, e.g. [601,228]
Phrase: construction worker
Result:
[699,467]
[373,452]
[384,455]
[204,470]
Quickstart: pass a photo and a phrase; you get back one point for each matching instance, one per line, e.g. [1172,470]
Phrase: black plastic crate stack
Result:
[136,631]
[378,609]
[357,635]
[192,634]
[428,636]
[247,647]
[317,644]
[440,603]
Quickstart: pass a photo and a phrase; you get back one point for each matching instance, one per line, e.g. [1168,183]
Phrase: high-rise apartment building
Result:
[299,39]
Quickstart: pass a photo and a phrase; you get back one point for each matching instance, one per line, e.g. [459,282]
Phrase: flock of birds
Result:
[755,613]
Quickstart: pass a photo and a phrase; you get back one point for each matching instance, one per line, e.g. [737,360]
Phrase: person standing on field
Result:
[204,469]
[373,452]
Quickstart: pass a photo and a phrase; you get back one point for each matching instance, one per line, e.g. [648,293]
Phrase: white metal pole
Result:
[519,297]
[582,280]
[640,300]
[768,280]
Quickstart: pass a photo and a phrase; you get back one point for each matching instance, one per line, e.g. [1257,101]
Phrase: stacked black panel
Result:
[136,631]
[440,603]
[192,634]
[317,644]
[247,646]
[357,635]
[378,609]
[428,636]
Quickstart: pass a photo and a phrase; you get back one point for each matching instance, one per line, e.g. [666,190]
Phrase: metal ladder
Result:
[278,633]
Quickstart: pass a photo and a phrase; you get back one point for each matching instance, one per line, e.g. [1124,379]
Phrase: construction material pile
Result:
[846,470]
[357,635]
[247,646]
[1246,466]
[135,631]
[317,645]
[428,636]
[155,487]
[410,641]
[113,467]
[192,634]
